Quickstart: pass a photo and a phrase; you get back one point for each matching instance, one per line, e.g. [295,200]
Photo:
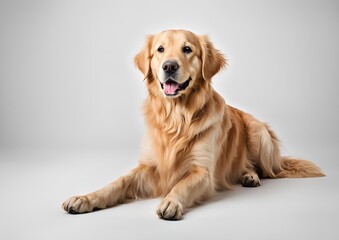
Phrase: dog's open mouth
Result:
[171,87]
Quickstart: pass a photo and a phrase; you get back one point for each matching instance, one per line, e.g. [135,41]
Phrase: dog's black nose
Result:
[170,66]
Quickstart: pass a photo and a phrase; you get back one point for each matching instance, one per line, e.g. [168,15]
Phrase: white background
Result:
[70,112]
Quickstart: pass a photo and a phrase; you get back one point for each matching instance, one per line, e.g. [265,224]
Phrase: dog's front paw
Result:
[77,204]
[170,209]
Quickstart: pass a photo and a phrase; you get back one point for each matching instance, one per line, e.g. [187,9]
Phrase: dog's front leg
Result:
[192,188]
[138,183]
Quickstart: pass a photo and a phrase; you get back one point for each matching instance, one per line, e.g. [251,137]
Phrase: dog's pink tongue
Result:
[170,87]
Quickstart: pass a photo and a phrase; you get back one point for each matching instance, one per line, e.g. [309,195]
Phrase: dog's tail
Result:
[298,168]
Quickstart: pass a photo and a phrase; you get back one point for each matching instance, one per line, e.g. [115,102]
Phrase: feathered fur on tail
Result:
[298,168]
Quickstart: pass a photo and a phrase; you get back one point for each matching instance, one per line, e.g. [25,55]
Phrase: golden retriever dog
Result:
[195,143]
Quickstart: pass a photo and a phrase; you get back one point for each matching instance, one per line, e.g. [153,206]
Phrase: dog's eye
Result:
[161,49]
[186,49]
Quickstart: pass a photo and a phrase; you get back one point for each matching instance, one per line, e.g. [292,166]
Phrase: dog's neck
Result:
[173,115]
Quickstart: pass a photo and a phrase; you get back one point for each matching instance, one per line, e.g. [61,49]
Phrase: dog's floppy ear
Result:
[143,59]
[212,59]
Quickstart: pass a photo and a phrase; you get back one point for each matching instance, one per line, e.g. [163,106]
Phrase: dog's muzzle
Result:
[171,87]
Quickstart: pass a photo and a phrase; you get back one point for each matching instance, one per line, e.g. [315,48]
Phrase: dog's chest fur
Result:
[173,131]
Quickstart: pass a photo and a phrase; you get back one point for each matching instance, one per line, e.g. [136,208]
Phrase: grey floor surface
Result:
[34,183]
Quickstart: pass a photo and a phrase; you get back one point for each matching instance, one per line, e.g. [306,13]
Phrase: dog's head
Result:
[179,61]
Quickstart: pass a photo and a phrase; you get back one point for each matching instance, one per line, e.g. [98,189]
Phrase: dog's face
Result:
[179,60]
[176,61]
